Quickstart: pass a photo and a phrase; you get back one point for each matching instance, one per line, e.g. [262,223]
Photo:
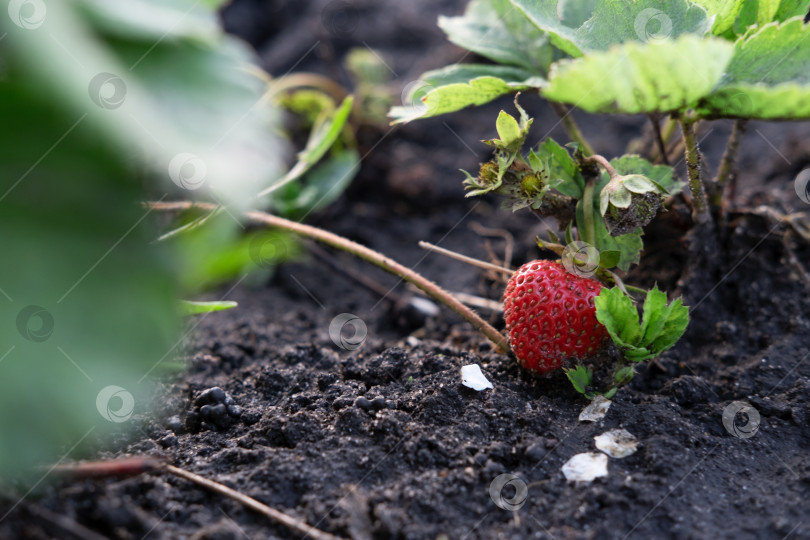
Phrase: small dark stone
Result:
[234,410]
[391,404]
[168,441]
[341,403]
[363,403]
[175,424]
[193,422]
[214,394]
[378,403]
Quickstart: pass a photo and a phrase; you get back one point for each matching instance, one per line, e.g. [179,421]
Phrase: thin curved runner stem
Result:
[249,502]
[465,259]
[358,250]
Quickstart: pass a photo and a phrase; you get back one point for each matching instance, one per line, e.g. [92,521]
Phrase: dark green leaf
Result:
[677,319]
[725,12]
[616,21]
[768,77]
[564,175]
[580,378]
[494,29]
[617,313]
[609,258]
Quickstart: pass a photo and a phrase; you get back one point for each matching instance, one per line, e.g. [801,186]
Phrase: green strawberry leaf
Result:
[661,325]
[323,136]
[615,21]
[677,319]
[574,14]
[631,78]
[725,12]
[654,315]
[756,12]
[616,312]
[661,175]
[629,245]
[494,29]
[464,73]
[320,186]
[563,172]
[768,76]
[639,354]
[624,375]
[609,258]
[792,8]
[580,377]
[455,87]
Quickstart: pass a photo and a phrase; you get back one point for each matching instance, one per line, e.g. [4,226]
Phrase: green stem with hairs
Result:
[587,212]
[700,209]
[727,162]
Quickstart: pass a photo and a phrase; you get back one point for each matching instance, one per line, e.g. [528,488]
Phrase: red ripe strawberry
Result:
[550,315]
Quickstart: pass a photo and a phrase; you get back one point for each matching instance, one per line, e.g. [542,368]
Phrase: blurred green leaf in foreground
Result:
[104,104]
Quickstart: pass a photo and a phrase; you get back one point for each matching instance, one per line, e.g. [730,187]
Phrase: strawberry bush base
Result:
[421,462]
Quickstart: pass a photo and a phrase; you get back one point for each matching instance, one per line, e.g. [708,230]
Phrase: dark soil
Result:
[384,441]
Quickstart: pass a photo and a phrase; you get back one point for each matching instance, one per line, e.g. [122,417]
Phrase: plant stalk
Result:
[601,160]
[587,212]
[369,255]
[700,210]
[659,138]
[727,162]
[571,127]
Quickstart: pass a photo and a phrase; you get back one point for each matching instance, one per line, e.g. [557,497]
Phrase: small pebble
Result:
[214,394]
[363,403]
[168,441]
[378,403]
[175,424]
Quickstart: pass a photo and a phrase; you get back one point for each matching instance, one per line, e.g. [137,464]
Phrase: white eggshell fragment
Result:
[583,468]
[617,443]
[596,410]
[471,377]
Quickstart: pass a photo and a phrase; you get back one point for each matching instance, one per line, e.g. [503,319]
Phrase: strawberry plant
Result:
[679,62]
